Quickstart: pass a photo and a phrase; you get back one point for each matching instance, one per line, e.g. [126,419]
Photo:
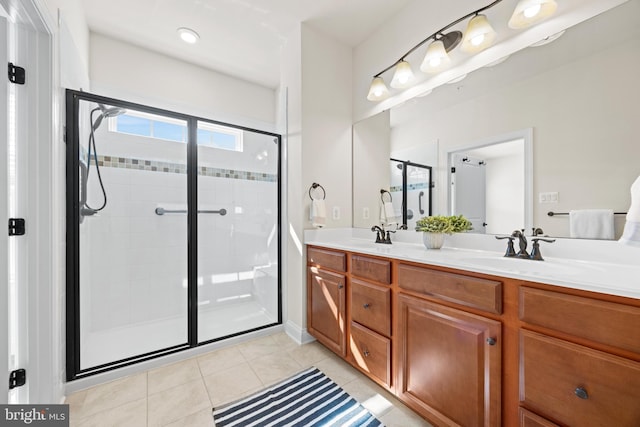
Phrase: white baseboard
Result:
[298,334]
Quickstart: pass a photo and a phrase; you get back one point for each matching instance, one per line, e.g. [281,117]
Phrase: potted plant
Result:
[434,228]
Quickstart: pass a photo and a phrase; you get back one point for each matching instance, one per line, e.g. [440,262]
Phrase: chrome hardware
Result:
[162,211]
[491,341]
[340,286]
[367,305]
[581,393]
[511,252]
[366,353]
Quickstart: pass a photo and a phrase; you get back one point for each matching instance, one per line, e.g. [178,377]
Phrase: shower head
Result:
[106,112]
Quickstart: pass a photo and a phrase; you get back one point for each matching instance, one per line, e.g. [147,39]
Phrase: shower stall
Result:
[173,232]
[411,190]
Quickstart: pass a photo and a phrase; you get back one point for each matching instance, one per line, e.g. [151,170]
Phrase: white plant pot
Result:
[433,240]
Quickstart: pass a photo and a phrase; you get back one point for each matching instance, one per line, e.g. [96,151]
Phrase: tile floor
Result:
[182,394]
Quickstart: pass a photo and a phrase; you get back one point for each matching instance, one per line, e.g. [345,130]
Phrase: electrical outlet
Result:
[365,213]
[336,213]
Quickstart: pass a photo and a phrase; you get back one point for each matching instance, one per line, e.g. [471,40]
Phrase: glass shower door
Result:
[132,249]
[238,243]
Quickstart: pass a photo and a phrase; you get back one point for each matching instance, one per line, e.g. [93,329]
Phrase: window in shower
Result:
[171,244]
[166,128]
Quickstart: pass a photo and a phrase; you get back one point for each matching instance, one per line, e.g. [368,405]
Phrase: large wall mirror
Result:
[576,96]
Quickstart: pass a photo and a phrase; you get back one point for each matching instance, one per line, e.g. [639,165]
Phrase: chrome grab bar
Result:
[162,211]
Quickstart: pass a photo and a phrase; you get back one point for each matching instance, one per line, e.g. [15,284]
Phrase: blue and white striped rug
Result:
[309,398]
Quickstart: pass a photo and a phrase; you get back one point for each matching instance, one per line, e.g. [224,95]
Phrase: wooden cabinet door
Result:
[326,319]
[448,364]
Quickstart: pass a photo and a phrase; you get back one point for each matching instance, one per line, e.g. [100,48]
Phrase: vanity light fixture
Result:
[378,90]
[478,36]
[403,76]
[188,35]
[529,12]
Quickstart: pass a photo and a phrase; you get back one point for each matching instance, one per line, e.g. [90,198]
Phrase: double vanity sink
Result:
[597,270]
[467,337]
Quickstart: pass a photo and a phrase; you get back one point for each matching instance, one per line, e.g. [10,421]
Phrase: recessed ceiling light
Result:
[188,35]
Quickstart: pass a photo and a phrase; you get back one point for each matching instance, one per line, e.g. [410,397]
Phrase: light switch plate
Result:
[336,213]
[548,197]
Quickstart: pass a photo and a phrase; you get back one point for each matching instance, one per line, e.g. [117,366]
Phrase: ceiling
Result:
[242,38]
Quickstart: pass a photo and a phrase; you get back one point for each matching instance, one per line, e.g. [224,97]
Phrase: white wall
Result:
[290,120]
[326,123]
[371,147]
[125,71]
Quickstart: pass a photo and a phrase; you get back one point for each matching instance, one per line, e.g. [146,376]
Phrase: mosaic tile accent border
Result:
[418,186]
[167,167]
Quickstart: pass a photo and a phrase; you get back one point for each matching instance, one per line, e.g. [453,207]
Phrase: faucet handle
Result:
[535,252]
[535,240]
[536,231]
[511,252]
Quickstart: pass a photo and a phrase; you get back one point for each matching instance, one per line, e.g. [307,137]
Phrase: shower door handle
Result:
[162,211]
[420,196]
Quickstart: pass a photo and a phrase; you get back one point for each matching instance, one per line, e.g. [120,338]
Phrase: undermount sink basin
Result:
[525,266]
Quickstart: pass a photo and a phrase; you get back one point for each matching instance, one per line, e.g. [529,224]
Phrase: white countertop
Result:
[597,266]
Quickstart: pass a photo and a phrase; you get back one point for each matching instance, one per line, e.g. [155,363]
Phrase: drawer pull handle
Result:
[367,305]
[581,393]
[366,353]
[491,341]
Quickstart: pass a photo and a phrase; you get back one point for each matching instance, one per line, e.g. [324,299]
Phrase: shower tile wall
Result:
[136,261]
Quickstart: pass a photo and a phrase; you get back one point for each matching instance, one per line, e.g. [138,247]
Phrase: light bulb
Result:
[435,59]
[532,11]
[479,35]
[403,75]
[477,40]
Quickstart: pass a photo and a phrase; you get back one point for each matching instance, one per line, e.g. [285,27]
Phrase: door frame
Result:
[39,161]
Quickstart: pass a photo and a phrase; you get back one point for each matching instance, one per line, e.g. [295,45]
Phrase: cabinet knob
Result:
[491,341]
[367,305]
[581,393]
[340,286]
[366,353]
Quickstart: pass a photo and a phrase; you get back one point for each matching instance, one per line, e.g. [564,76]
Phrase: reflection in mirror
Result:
[578,94]
[490,183]
[411,191]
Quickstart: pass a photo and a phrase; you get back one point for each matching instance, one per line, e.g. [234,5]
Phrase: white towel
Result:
[631,234]
[318,213]
[591,224]
[387,214]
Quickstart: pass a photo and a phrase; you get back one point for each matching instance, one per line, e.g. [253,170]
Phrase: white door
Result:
[4,219]
[468,189]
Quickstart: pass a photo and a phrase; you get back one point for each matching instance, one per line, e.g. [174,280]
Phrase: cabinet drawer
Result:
[473,292]
[332,260]
[371,306]
[529,419]
[608,323]
[371,268]
[371,352]
[578,386]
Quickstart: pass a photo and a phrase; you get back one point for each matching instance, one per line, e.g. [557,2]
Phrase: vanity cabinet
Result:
[449,360]
[579,359]
[469,349]
[370,315]
[326,298]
